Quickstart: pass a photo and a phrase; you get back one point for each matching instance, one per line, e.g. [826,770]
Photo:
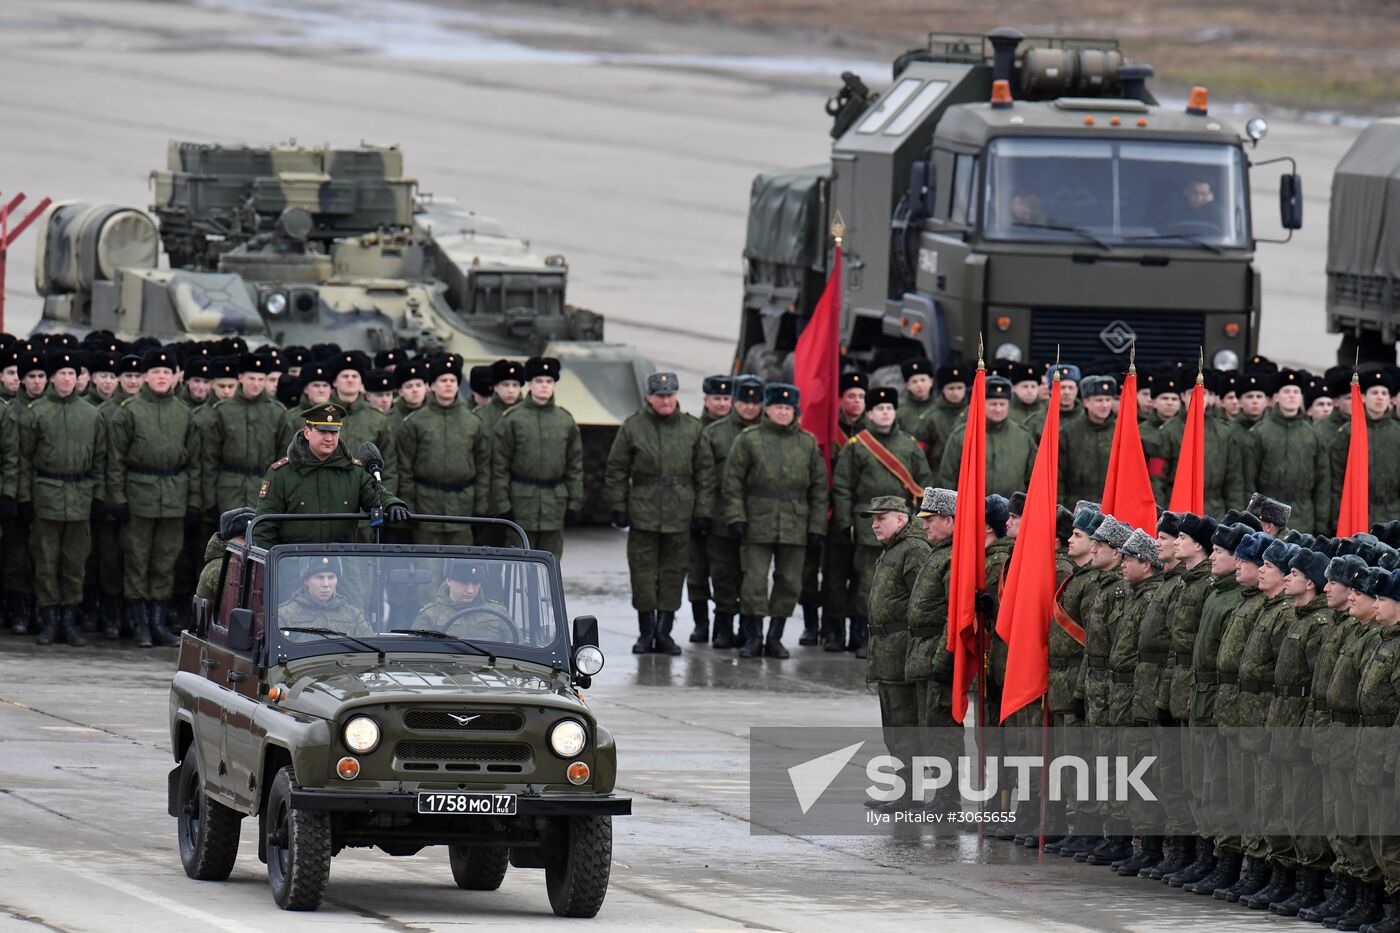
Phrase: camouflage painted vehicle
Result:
[1027,189]
[296,245]
[299,705]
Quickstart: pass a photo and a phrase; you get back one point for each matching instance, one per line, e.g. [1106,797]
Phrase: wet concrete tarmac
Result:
[85,842]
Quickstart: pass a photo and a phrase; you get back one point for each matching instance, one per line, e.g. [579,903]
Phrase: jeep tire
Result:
[576,875]
[478,868]
[208,830]
[298,848]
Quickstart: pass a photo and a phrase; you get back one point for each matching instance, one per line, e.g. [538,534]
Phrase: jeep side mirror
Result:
[585,631]
[240,629]
[1290,201]
[922,188]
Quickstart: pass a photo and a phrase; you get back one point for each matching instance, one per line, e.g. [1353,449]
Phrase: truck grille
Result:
[1162,336]
[441,720]
[419,750]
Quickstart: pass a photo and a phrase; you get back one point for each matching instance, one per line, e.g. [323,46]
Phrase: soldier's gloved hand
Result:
[571,516]
[1080,712]
[97,511]
[26,511]
[815,540]
[737,529]
[621,520]
[9,509]
[120,514]
[398,513]
[192,520]
[700,525]
[983,603]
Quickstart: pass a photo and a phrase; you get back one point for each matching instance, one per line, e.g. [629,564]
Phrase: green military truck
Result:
[299,706]
[1363,246]
[1028,190]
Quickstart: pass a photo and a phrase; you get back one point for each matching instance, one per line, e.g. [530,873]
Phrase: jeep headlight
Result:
[568,738]
[362,734]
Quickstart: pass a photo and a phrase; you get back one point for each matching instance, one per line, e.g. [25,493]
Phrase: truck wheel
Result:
[298,848]
[208,830]
[577,877]
[478,868]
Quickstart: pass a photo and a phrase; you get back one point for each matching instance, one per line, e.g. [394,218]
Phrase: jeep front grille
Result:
[441,720]
[420,750]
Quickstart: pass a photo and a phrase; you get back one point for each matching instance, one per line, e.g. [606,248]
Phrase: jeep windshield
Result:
[1107,193]
[355,598]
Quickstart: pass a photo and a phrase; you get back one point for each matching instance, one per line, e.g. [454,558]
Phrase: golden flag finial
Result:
[838,227]
[1132,358]
[1201,367]
[981,364]
[1056,372]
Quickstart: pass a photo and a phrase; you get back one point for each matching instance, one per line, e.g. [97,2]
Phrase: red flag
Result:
[1127,490]
[816,364]
[968,573]
[1189,487]
[1355,513]
[1028,598]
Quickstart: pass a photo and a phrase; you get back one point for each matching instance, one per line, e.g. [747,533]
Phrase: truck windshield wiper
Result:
[1184,237]
[332,633]
[1079,231]
[443,636]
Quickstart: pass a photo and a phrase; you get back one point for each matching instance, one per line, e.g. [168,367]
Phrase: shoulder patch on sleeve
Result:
[276,466]
[262,491]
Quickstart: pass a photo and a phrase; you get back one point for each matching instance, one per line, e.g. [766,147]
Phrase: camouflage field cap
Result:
[882,504]
[327,417]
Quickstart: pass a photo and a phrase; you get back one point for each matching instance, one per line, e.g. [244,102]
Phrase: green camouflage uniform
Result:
[775,485]
[721,547]
[537,470]
[929,663]
[401,410]
[1123,660]
[366,424]
[300,483]
[1224,479]
[444,457]
[1325,733]
[1354,855]
[336,613]
[917,419]
[16,564]
[1252,711]
[1084,450]
[212,572]
[697,575]
[1010,457]
[153,472]
[1287,460]
[1239,777]
[835,560]
[62,466]
[1208,774]
[659,475]
[482,623]
[238,447]
[1383,450]
[1065,653]
[1036,422]
[1378,705]
[998,558]
[946,418]
[896,570]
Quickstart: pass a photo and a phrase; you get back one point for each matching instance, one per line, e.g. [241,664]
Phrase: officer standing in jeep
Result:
[318,475]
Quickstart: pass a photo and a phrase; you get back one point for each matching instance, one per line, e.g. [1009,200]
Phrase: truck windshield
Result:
[501,607]
[1107,193]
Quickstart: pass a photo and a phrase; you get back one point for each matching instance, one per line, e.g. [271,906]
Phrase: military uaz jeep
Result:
[398,696]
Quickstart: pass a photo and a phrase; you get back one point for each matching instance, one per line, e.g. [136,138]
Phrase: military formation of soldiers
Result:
[122,466]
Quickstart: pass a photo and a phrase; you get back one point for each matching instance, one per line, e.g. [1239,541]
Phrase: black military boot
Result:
[1342,899]
[138,622]
[1149,854]
[1180,850]
[1280,886]
[700,612]
[1197,869]
[773,644]
[1366,910]
[1307,893]
[665,644]
[1112,849]
[72,631]
[48,625]
[811,625]
[835,633]
[89,615]
[1069,848]
[751,628]
[860,636]
[160,634]
[724,631]
[646,633]
[1390,919]
[1252,879]
[110,613]
[14,614]
[1225,873]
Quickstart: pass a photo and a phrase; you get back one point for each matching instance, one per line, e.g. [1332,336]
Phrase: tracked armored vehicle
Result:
[294,245]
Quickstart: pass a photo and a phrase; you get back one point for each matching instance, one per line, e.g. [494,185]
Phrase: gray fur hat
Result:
[938,502]
[1143,546]
[1083,504]
[1269,510]
[1114,533]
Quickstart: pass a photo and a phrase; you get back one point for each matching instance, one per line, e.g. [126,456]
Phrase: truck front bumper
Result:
[339,802]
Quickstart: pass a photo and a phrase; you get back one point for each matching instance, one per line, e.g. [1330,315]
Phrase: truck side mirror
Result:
[585,631]
[922,189]
[1290,201]
[240,629]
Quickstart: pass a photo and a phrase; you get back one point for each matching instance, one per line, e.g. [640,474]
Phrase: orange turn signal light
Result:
[1196,104]
[1089,121]
[277,693]
[578,772]
[1001,93]
[1003,323]
[1232,329]
[1113,121]
[1142,121]
[348,768]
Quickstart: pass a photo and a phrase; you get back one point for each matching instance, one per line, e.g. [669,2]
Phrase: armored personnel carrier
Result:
[295,245]
[1031,190]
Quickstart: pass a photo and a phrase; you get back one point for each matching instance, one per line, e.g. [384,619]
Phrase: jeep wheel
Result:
[298,848]
[577,877]
[208,830]
[478,868]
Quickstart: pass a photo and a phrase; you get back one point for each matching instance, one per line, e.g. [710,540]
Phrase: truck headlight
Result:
[1008,351]
[362,734]
[567,738]
[275,303]
[1225,359]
